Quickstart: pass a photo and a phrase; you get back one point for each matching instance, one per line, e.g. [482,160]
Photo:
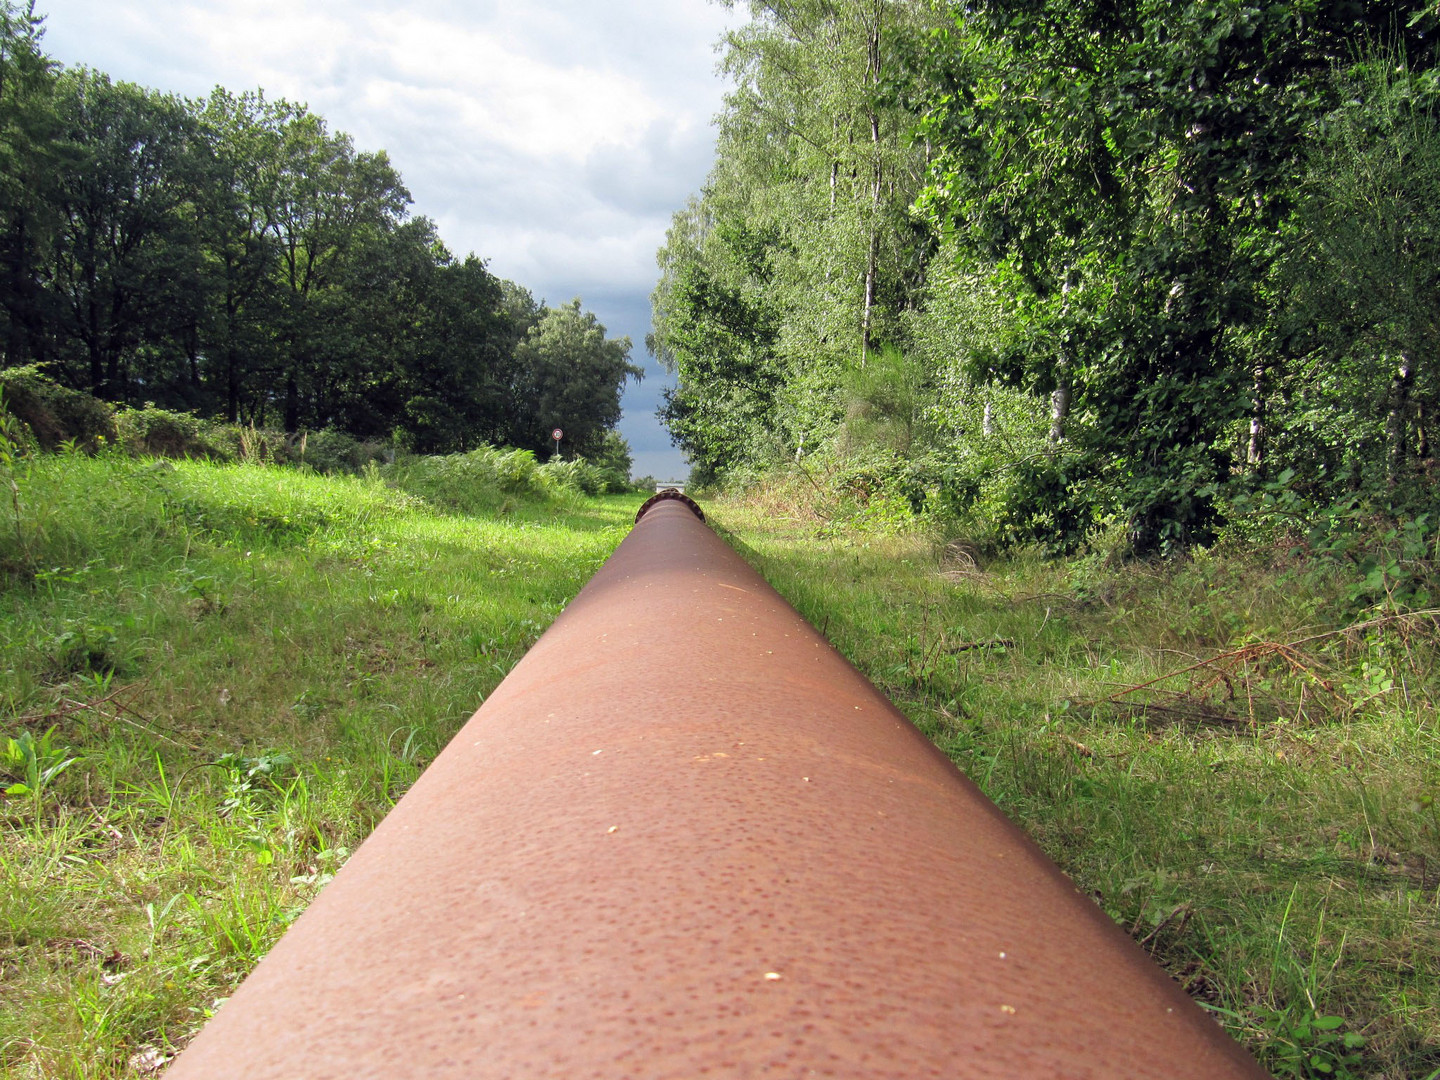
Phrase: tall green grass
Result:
[246,666]
[487,480]
[1271,838]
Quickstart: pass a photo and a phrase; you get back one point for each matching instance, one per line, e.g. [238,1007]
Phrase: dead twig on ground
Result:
[1181,913]
[117,706]
[1230,672]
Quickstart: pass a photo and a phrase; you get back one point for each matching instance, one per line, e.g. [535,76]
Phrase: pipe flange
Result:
[678,496]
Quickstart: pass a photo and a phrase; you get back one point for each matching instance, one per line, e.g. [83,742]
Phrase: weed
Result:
[85,648]
[36,762]
[1306,1045]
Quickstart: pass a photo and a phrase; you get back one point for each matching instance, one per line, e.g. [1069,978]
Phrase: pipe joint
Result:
[678,496]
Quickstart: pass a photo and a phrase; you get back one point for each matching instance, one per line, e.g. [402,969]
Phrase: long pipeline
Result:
[684,837]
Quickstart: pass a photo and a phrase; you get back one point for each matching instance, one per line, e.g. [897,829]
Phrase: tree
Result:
[235,257]
[237,208]
[801,257]
[723,340]
[454,360]
[1365,270]
[329,201]
[124,266]
[1123,173]
[570,376]
[29,160]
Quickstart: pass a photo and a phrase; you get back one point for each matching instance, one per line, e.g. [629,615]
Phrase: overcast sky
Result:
[552,137]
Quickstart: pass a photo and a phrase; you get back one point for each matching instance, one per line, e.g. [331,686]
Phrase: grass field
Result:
[1262,818]
[245,668]
[214,680]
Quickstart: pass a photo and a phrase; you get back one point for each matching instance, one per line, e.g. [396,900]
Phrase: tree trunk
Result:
[865,317]
[1255,452]
[114,384]
[97,370]
[292,404]
[1059,411]
[232,384]
[987,423]
[872,71]
[1396,420]
[1060,396]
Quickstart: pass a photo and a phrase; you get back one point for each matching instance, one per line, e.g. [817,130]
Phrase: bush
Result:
[252,445]
[474,481]
[612,457]
[330,451]
[580,476]
[162,433]
[54,414]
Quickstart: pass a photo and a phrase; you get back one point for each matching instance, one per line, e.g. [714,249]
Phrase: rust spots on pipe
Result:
[686,838]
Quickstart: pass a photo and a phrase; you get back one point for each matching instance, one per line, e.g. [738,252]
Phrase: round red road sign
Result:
[557,434]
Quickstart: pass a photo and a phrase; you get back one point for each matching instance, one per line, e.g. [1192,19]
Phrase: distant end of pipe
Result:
[678,496]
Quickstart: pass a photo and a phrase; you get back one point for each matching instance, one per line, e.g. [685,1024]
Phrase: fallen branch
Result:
[121,702]
[1182,911]
[1424,613]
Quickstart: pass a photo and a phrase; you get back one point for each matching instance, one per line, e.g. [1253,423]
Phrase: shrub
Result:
[611,455]
[55,414]
[255,446]
[163,433]
[578,475]
[329,451]
[474,481]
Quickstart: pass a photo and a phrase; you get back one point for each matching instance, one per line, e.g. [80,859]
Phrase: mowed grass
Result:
[247,667]
[1271,838]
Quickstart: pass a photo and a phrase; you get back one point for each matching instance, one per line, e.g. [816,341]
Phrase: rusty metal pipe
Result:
[685,837]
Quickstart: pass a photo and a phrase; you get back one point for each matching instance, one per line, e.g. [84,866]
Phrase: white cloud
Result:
[553,137]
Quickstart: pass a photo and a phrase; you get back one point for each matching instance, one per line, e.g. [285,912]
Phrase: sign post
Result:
[557,435]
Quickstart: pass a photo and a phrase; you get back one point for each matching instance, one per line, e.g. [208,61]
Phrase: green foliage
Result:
[251,780]
[163,433]
[798,260]
[885,402]
[53,414]
[578,475]
[1187,246]
[572,378]
[85,648]
[1043,504]
[486,478]
[233,258]
[474,482]
[1361,278]
[876,488]
[612,458]
[33,763]
[1308,1046]
[335,452]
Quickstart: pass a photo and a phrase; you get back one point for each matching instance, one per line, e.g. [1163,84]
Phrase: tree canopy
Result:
[235,257]
[1134,258]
